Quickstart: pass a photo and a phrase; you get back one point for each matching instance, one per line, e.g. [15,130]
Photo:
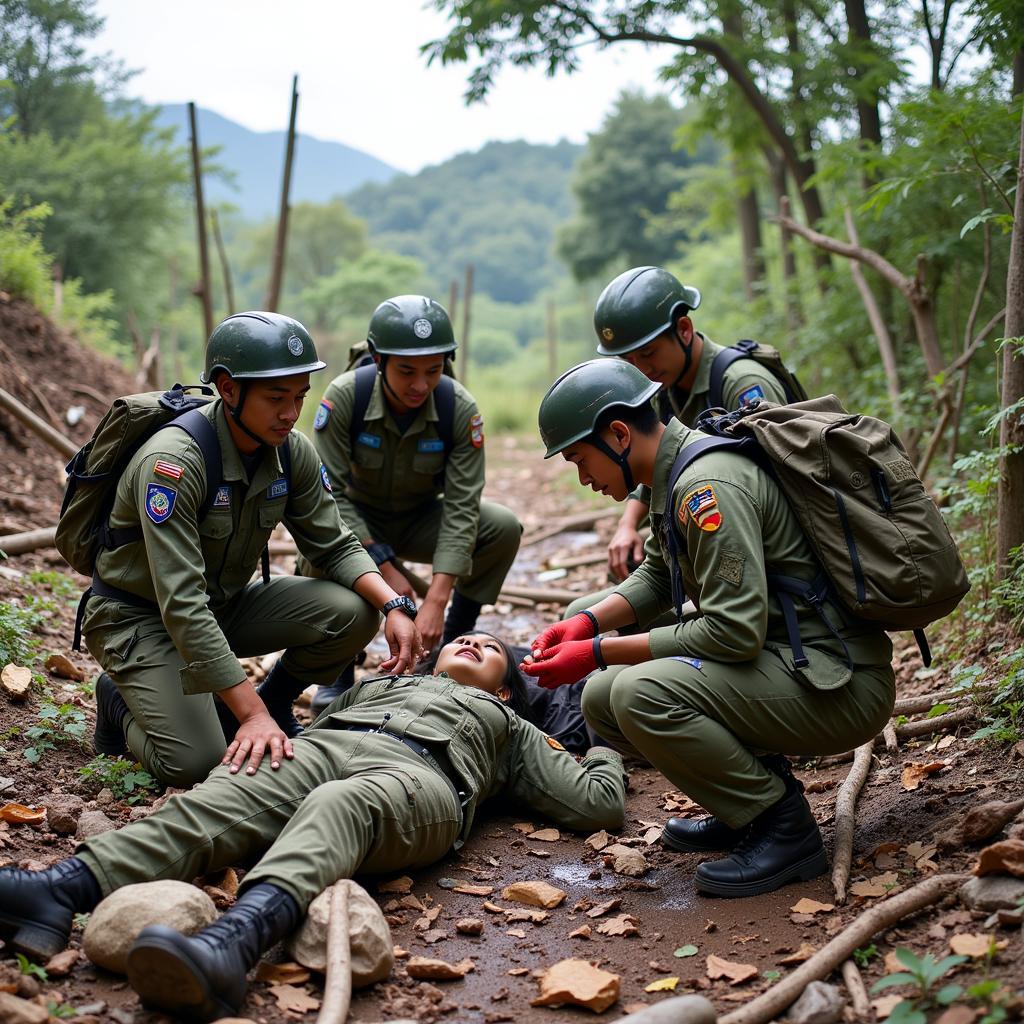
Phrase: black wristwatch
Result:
[380,553]
[402,604]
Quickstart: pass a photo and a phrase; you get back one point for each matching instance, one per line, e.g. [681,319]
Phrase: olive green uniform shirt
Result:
[724,570]
[190,569]
[397,472]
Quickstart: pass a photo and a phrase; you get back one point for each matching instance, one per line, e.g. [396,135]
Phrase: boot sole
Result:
[167,978]
[802,871]
[31,938]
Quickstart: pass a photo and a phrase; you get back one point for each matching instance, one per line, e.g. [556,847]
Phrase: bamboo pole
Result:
[281,242]
[32,540]
[225,267]
[203,293]
[37,425]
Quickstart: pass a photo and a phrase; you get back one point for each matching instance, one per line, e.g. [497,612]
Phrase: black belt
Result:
[438,760]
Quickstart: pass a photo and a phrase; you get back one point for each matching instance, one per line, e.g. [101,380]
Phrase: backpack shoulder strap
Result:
[722,361]
[204,433]
[365,377]
[444,402]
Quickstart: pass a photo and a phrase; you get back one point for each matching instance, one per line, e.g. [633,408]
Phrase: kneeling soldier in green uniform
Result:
[701,698]
[388,778]
[404,445]
[172,607]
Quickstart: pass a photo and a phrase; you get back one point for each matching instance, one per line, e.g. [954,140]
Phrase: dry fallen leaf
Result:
[809,906]
[399,885]
[960,1015]
[678,802]
[63,667]
[583,932]
[534,894]
[805,952]
[663,985]
[625,860]
[533,916]
[427,968]
[975,946]
[421,924]
[523,826]
[915,773]
[918,851]
[877,886]
[1005,858]
[294,1000]
[623,926]
[289,973]
[603,908]
[598,841]
[546,835]
[474,890]
[892,965]
[884,1005]
[516,933]
[579,983]
[736,973]
[19,814]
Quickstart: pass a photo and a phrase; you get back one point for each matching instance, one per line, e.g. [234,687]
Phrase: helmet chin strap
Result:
[687,353]
[620,458]
[385,382]
[236,412]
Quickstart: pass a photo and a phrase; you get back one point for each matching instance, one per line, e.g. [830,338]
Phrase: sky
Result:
[362,80]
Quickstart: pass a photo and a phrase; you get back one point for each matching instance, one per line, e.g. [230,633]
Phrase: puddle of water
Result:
[578,874]
[678,891]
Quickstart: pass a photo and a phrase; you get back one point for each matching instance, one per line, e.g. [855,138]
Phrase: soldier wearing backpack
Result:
[713,702]
[171,605]
[404,443]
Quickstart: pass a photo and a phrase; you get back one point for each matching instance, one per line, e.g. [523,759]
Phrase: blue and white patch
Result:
[692,662]
[751,395]
[222,499]
[279,488]
[323,414]
[160,502]
[325,479]
[370,440]
[435,445]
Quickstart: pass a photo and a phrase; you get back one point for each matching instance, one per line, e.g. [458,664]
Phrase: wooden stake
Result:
[882,915]
[846,802]
[467,299]
[19,543]
[38,426]
[891,740]
[203,292]
[281,242]
[338,982]
[225,267]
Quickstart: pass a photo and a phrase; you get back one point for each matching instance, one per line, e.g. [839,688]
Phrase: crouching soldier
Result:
[404,445]
[172,606]
[705,699]
[388,779]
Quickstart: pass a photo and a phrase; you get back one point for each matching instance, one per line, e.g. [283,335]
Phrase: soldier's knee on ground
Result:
[183,767]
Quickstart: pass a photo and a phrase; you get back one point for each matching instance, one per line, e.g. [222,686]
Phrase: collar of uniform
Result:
[676,435]
[702,381]
[377,410]
[267,471]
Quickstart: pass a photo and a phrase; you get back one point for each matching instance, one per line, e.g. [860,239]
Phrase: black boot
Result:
[278,692]
[705,835]
[461,618]
[782,845]
[327,694]
[37,907]
[202,977]
[108,736]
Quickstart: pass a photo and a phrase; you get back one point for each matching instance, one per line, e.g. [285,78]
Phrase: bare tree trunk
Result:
[750,235]
[867,97]
[225,267]
[281,242]
[202,291]
[936,39]
[791,293]
[1010,533]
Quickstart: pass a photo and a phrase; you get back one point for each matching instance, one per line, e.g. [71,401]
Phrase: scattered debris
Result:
[819,1004]
[717,967]
[15,681]
[534,894]
[427,968]
[1005,858]
[979,823]
[579,983]
[915,773]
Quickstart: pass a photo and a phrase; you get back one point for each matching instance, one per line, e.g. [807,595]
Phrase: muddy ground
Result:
[762,932]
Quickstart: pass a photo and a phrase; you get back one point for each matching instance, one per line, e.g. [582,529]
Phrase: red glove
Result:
[564,663]
[579,627]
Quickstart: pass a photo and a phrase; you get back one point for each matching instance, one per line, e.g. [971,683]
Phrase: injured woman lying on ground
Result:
[389,777]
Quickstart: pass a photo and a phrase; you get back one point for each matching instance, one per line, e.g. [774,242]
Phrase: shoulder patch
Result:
[553,743]
[222,499]
[702,507]
[168,469]
[323,414]
[752,394]
[160,502]
[730,567]
[692,662]
[476,430]
[325,479]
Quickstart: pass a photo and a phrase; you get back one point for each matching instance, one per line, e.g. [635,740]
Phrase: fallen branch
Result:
[858,993]
[87,392]
[580,521]
[846,803]
[891,740]
[38,426]
[32,540]
[338,982]
[941,723]
[541,595]
[31,388]
[915,705]
[882,915]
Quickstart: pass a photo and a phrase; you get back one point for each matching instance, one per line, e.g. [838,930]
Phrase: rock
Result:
[980,823]
[425,968]
[104,798]
[118,919]
[469,926]
[534,894]
[15,681]
[992,893]
[20,1011]
[629,862]
[370,944]
[679,1010]
[819,1004]
[60,965]
[27,987]
[63,811]
[93,823]
[1005,858]
[578,983]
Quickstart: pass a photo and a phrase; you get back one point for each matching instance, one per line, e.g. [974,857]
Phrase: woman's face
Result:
[475,659]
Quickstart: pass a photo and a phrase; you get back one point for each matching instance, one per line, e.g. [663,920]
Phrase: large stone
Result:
[117,920]
[63,811]
[992,892]
[679,1010]
[93,823]
[370,945]
[819,1004]
[20,1011]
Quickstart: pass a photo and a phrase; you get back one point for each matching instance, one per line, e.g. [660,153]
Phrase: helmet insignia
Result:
[295,345]
[422,328]
[607,333]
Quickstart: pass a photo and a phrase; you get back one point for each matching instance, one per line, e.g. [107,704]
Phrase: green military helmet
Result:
[638,306]
[574,403]
[255,345]
[411,325]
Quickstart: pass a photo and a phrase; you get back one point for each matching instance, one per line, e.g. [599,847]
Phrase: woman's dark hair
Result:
[513,679]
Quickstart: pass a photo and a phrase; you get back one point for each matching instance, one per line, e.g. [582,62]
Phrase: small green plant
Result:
[32,970]
[61,1011]
[56,582]
[80,921]
[924,972]
[17,621]
[63,723]
[127,780]
[865,954]
[1004,712]
[993,998]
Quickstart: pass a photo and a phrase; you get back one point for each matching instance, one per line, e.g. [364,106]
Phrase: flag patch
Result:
[160,502]
[751,395]
[476,430]
[325,479]
[169,469]
[323,414]
[702,506]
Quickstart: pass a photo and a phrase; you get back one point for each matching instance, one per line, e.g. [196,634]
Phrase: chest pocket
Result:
[366,460]
[428,464]
[216,526]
